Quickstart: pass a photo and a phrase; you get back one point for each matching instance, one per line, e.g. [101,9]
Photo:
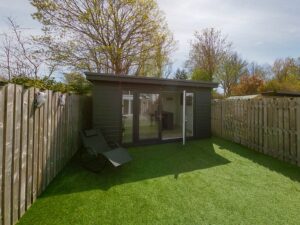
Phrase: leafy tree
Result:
[208,50]
[201,74]
[283,68]
[77,83]
[248,85]
[120,37]
[290,83]
[230,71]
[181,74]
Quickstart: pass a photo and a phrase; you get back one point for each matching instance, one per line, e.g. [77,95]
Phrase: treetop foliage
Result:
[119,37]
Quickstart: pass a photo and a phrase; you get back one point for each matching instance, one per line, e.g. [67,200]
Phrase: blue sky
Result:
[261,30]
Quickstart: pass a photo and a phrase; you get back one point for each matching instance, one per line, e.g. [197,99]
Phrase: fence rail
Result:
[35,144]
[268,125]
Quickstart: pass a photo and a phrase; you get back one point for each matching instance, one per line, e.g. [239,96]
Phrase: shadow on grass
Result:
[148,162]
[284,168]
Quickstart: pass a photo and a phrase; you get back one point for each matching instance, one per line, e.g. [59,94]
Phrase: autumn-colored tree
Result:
[208,49]
[248,85]
[119,37]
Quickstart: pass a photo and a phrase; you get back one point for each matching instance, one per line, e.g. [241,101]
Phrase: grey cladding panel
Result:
[202,113]
[106,111]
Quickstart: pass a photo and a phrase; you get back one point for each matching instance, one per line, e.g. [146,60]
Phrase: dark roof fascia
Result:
[281,93]
[148,80]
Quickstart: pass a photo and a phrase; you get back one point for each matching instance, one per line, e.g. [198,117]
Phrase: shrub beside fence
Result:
[268,125]
[35,144]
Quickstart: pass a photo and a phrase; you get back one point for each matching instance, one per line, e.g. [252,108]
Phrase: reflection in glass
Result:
[148,116]
[127,116]
[171,115]
[172,109]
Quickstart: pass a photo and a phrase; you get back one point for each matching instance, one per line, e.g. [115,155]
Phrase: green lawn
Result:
[206,182]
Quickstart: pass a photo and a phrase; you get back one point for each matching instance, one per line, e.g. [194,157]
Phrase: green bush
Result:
[73,83]
[290,83]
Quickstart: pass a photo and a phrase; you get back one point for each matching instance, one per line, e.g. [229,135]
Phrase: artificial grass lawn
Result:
[205,182]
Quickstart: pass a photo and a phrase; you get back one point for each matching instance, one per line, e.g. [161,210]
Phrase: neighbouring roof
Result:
[266,94]
[243,97]
[281,93]
[148,80]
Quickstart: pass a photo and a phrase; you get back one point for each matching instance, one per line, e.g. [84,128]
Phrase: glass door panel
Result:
[149,116]
[171,123]
[127,117]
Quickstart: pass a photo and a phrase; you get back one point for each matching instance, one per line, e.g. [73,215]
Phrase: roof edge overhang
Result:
[148,80]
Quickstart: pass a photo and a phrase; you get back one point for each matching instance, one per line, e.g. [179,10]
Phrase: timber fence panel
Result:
[268,125]
[35,144]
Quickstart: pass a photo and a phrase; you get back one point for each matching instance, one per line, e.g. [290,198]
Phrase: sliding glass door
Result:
[153,117]
[149,116]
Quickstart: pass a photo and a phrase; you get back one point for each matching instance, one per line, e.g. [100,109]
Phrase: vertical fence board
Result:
[8,156]
[271,126]
[59,139]
[16,153]
[64,128]
[265,119]
[260,126]
[53,134]
[56,135]
[24,153]
[49,141]
[280,129]
[30,143]
[35,151]
[292,122]
[286,133]
[40,150]
[45,142]
[2,113]
[275,128]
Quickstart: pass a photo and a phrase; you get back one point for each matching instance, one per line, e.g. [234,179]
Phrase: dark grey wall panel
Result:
[107,111]
[202,113]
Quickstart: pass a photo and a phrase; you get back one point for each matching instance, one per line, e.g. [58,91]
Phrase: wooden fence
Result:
[35,144]
[268,125]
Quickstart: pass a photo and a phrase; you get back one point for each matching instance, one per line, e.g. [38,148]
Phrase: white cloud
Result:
[261,30]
